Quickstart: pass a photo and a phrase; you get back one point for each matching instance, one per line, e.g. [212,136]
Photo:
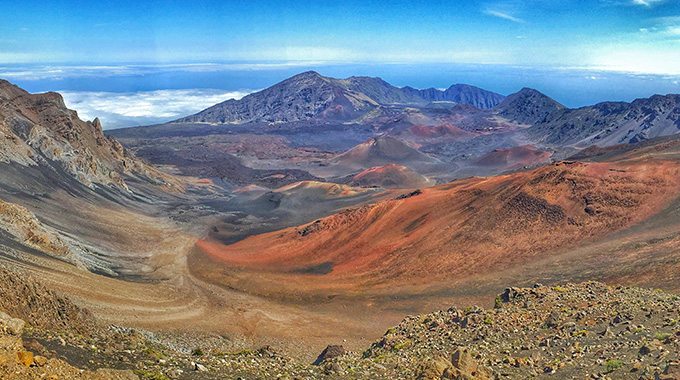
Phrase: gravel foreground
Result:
[574,331]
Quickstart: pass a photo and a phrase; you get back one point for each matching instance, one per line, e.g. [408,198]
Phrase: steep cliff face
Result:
[38,130]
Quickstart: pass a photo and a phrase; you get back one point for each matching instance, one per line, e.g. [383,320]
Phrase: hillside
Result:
[513,158]
[391,176]
[458,231]
[437,133]
[612,123]
[383,151]
[39,131]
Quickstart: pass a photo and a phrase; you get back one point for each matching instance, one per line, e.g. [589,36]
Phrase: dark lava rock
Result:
[330,352]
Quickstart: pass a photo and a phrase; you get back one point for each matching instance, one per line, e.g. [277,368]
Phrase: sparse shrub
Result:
[391,330]
[151,375]
[197,352]
[488,320]
[581,333]
[497,302]
[559,289]
[661,336]
[402,345]
[613,364]
[151,352]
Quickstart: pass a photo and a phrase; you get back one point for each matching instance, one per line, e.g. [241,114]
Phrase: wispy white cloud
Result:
[673,31]
[647,3]
[116,110]
[664,28]
[503,15]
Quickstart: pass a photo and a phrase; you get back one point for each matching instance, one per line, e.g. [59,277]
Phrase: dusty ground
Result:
[321,289]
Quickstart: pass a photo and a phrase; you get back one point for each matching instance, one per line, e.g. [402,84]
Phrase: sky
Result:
[99,49]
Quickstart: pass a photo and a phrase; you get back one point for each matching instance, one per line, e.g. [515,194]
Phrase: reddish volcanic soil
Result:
[451,236]
[391,176]
[513,158]
[444,132]
[382,151]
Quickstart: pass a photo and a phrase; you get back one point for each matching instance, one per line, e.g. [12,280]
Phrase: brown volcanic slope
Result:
[513,158]
[383,151]
[440,133]
[454,234]
[391,176]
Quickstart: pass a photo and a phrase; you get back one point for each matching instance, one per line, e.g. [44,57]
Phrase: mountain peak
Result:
[10,91]
[528,106]
[307,74]
[529,91]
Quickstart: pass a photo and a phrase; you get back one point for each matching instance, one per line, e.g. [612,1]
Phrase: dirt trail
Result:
[181,304]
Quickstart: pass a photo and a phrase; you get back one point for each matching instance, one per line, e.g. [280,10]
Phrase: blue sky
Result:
[579,52]
[636,35]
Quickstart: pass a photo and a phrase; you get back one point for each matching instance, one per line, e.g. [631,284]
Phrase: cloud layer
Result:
[117,110]
[61,72]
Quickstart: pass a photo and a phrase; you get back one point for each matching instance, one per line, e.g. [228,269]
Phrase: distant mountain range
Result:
[603,124]
[310,95]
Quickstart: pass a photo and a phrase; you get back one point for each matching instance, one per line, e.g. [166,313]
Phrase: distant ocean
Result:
[150,93]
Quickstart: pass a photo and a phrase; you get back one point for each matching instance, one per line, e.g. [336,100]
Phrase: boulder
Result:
[39,360]
[14,326]
[330,352]
[464,362]
[25,358]
[432,368]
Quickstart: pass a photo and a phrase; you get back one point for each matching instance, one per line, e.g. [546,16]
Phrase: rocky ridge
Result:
[611,123]
[459,93]
[38,130]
